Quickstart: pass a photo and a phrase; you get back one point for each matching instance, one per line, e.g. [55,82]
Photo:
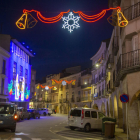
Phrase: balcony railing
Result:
[110,60]
[86,85]
[54,91]
[127,63]
[132,12]
[66,100]
[115,46]
[72,86]
[60,100]
[78,99]
[72,100]
[88,98]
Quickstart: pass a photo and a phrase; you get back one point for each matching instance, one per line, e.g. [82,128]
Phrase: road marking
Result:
[36,139]
[16,139]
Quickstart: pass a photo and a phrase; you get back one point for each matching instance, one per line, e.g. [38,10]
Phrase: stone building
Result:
[4,63]
[100,100]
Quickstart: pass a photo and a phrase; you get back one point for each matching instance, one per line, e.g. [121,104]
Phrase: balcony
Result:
[78,99]
[86,86]
[72,86]
[109,87]
[115,45]
[66,100]
[110,61]
[127,63]
[60,100]
[87,99]
[54,101]
[54,91]
[48,101]
[72,100]
[86,72]
[132,12]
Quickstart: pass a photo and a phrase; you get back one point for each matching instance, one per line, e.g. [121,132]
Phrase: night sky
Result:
[57,48]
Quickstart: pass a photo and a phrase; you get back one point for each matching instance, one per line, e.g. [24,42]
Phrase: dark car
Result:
[8,116]
[34,113]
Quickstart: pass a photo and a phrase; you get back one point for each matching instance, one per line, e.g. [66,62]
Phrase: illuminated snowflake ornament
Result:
[64,83]
[70,22]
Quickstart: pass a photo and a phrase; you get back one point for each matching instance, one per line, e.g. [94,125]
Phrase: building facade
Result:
[18,71]
[100,99]
[4,63]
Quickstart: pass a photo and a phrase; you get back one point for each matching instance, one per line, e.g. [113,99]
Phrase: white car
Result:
[45,111]
[86,118]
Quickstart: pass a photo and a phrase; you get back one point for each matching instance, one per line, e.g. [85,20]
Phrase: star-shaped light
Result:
[63,83]
[46,87]
[73,19]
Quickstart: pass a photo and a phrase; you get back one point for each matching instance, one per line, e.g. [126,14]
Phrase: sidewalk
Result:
[119,134]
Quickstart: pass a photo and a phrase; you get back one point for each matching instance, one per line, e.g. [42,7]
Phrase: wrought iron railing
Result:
[72,100]
[128,60]
[86,85]
[132,12]
[78,99]
[66,100]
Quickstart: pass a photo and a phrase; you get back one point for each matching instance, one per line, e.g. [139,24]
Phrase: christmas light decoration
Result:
[117,19]
[53,82]
[63,83]
[68,82]
[26,19]
[73,82]
[37,87]
[71,18]
[55,88]
[47,88]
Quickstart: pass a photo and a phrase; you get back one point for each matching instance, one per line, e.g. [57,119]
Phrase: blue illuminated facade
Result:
[19,74]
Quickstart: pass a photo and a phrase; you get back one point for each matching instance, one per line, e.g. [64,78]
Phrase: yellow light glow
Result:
[97,65]
[37,87]
[28,19]
[85,83]
[73,82]
[122,21]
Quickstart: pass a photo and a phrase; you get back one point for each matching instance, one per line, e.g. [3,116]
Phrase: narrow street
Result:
[48,128]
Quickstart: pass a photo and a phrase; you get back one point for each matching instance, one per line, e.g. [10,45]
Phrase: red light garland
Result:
[58,82]
[96,17]
[44,19]
[31,21]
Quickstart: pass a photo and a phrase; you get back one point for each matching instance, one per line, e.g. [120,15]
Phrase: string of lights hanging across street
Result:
[28,21]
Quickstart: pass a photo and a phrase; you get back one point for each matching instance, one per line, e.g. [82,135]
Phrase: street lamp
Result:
[97,65]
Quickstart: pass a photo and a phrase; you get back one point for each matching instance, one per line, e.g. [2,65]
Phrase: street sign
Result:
[124,98]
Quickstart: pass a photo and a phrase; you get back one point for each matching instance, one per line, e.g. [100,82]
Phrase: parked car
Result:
[8,116]
[86,118]
[45,111]
[49,111]
[34,113]
[23,113]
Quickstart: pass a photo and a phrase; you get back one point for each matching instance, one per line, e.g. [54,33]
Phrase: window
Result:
[2,86]
[76,113]
[6,109]
[79,94]
[26,75]
[21,71]
[14,70]
[101,115]
[87,113]
[33,77]
[94,114]
[3,67]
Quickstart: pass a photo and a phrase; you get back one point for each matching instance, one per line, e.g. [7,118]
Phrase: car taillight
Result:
[82,114]
[15,117]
